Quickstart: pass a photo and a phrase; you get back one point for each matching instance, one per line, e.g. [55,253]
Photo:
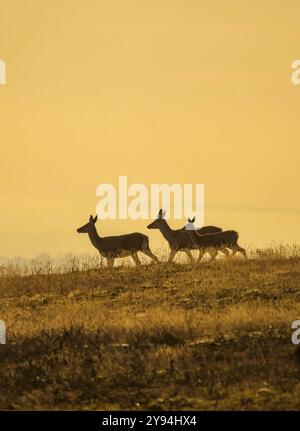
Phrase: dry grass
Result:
[210,336]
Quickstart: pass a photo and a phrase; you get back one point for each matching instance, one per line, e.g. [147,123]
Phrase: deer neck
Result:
[166,231]
[94,237]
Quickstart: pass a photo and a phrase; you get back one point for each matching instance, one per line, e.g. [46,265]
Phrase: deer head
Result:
[86,228]
[158,222]
[190,225]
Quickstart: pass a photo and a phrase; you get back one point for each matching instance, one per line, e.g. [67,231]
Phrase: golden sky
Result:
[162,91]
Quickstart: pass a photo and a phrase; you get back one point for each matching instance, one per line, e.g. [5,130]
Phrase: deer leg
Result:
[201,254]
[225,251]
[149,253]
[241,250]
[110,262]
[213,252]
[189,255]
[146,250]
[244,253]
[136,259]
[172,255]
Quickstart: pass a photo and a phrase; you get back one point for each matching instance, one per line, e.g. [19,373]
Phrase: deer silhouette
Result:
[190,240]
[112,247]
[202,231]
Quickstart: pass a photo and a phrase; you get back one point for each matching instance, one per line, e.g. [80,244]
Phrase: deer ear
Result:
[91,218]
[160,214]
[193,219]
[189,220]
[95,219]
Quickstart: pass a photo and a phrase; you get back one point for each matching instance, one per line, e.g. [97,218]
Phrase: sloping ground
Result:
[209,336]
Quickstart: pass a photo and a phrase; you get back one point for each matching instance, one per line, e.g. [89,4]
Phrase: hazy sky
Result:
[161,91]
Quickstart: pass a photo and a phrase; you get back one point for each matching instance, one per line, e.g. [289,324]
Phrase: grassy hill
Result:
[216,335]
